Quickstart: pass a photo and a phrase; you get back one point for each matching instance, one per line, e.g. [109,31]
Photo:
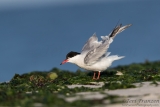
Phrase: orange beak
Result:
[66,60]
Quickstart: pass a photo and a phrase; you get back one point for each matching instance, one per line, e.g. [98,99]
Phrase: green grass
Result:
[49,88]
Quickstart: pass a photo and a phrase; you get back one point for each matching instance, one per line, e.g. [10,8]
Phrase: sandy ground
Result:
[144,95]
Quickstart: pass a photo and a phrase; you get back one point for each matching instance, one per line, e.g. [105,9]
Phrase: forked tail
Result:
[115,57]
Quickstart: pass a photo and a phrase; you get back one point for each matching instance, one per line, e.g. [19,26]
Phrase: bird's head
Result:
[70,57]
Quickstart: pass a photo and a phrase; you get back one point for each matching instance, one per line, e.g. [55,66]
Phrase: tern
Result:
[94,55]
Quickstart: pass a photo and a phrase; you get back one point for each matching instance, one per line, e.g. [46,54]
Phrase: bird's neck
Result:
[78,60]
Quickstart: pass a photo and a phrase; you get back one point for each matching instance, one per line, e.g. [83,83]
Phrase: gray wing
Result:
[116,30]
[91,43]
[95,54]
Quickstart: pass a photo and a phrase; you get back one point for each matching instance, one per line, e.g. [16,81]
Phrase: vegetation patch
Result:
[49,88]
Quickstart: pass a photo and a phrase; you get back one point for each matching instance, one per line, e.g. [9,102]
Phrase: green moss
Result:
[49,88]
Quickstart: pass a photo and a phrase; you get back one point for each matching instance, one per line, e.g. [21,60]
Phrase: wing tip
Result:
[94,34]
[119,28]
[128,25]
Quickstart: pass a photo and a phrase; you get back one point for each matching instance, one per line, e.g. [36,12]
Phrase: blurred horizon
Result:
[37,35]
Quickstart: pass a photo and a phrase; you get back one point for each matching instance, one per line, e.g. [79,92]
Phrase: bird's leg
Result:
[94,76]
[99,73]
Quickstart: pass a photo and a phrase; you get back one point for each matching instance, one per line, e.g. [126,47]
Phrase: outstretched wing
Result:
[118,30]
[90,44]
[97,52]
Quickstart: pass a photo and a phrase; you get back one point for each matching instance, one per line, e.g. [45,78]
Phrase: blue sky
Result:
[36,35]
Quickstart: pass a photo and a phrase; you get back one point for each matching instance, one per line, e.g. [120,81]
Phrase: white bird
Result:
[93,56]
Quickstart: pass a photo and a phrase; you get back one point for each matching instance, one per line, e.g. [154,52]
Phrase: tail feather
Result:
[115,57]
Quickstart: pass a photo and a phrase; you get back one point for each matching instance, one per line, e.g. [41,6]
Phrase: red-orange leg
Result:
[99,74]
[94,75]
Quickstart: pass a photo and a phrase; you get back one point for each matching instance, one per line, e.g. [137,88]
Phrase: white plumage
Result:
[93,55]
